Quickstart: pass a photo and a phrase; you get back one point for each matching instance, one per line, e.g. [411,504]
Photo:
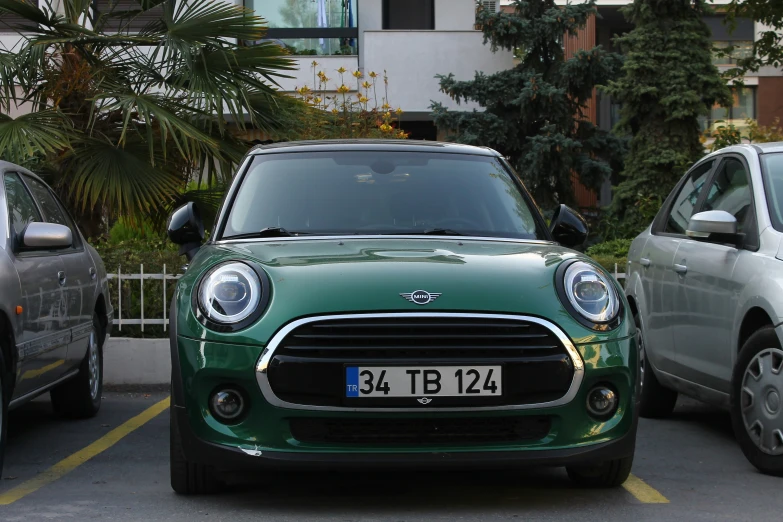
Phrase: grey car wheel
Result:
[94,363]
[80,397]
[760,400]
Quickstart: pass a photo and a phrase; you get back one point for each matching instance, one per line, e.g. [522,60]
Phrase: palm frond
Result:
[29,10]
[33,134]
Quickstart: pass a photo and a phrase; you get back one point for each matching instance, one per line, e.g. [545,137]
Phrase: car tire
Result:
[656,401]
[4,400]
[759,368]
[609,474]
[80,397]
[188,478]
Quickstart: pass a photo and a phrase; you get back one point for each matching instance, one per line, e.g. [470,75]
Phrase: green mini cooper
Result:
[375,303]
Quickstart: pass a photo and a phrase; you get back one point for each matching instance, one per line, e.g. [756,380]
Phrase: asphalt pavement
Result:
[115,467]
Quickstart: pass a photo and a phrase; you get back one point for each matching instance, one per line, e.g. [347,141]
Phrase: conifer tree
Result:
[533,113]
[668,81]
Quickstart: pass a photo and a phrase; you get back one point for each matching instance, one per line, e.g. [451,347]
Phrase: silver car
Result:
[705,282]
[55,309]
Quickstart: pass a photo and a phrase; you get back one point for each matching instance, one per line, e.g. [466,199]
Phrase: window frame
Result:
[777,224]
[13,236]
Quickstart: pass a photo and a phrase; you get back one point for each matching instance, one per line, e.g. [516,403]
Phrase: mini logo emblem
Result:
[420,297]
[424,400]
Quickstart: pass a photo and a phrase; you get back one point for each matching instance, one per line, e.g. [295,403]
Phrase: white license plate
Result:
[442,381]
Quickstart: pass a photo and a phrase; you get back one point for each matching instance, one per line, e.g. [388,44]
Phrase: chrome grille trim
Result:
[269,351]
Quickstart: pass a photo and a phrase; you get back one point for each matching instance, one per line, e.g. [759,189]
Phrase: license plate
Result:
[442,381]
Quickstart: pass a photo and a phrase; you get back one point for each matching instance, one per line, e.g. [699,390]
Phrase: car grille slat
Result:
[308,365]
[421,431]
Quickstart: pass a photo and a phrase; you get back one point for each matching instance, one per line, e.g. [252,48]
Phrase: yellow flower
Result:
[386,127]
[358,74]
[303,90]
[402,135]
[341,70]
[363,99]
[386,106]
[314,64]
[366,85]
[398,111]
[335,111]
[373,74]
[343,89]
[317,100]
[387,115]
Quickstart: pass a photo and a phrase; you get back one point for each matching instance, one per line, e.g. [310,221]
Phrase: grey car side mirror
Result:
[46,236]
[713,225]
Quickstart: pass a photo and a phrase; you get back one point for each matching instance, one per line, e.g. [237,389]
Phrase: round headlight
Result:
[229,293]
[591,293]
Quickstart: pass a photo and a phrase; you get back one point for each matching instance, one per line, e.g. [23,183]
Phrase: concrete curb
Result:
[136,362]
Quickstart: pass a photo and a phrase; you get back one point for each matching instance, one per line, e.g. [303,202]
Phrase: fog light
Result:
[601,401]
[227,404]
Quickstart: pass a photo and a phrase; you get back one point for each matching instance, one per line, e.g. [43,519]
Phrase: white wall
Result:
[413,58]
[455,15]
[370,15]
[328,64]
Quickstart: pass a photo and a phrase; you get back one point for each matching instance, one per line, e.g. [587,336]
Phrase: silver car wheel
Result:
[94,364]
[761,400]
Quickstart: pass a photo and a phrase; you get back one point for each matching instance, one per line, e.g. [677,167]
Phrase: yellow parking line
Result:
[644,493]
[70,463]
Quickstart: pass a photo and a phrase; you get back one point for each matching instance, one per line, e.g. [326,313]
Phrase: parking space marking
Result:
[70,463]
[643,492]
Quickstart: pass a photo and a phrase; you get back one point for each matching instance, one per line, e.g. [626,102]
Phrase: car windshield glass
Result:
[370,192]
[772,168]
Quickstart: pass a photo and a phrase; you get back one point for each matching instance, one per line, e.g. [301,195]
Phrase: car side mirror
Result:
[186,229]
[46,236]
[715,226]
[568,227]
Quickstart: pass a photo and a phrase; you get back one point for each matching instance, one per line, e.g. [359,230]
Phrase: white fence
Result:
[165,277]
[119,277]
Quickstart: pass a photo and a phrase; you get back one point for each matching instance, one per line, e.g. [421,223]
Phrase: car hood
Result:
[334,276]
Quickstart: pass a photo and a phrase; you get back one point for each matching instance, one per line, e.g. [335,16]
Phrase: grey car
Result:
[55,309]
[705,283]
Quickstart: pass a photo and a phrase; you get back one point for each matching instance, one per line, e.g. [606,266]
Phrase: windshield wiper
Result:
[267,232]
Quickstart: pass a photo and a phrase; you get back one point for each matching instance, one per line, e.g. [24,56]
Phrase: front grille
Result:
[474,430]
[308,366]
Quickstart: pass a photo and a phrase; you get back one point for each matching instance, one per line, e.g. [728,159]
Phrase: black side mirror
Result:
[568,227]
[186,229]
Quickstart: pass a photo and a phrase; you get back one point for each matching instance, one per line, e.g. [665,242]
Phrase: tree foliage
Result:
[120,118]
[768,46]
[668,82]
[534,113]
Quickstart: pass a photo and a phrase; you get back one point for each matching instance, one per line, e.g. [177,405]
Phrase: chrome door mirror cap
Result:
[705,224]
[46,236]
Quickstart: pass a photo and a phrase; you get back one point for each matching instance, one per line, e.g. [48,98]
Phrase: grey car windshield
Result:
[369,192]
[772,168]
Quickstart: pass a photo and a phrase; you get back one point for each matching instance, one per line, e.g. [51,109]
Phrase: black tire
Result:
[762,341]
[656,402]
[609,474]
[188,478]
[5,397]
[78,398]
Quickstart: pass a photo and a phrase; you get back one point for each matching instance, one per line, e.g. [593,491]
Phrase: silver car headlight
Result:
[590,292]
[230,293]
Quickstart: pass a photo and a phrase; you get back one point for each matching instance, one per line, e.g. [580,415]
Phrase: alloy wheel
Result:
[94,364]
[761,400]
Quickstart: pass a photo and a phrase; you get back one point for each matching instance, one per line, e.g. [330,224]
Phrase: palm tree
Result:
[123,107]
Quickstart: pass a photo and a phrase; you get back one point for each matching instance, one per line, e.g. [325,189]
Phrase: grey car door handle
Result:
[680,269]
[644,262]
[93,275]
[61,278]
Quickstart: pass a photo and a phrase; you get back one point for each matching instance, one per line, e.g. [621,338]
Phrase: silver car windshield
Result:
[388,193]
[772,169]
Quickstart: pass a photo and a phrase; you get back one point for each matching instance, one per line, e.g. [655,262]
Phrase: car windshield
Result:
[370,192]
[772,168]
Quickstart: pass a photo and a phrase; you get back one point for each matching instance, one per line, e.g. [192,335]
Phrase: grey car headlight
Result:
[590,292]
[230,293]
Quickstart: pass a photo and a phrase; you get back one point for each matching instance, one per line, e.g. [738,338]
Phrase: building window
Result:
[409,14]
[310,27]
[10,22]
[740,49]
[125,15]
[744,108]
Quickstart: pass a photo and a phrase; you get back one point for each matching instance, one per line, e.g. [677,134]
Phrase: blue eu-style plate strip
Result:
[352,381]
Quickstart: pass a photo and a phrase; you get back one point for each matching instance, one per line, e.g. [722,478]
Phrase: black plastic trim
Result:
[177,391]
[266,291]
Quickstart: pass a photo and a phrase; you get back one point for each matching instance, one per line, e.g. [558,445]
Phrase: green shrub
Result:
[611,253]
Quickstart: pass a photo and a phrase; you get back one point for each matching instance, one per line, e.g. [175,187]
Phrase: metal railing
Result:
[119,277]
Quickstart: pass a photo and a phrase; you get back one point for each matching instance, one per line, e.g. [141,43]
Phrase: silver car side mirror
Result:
[46,236]
[705,225]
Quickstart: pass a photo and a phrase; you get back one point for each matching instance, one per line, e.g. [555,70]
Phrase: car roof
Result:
[764,148]
[373,145]
[756,148]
